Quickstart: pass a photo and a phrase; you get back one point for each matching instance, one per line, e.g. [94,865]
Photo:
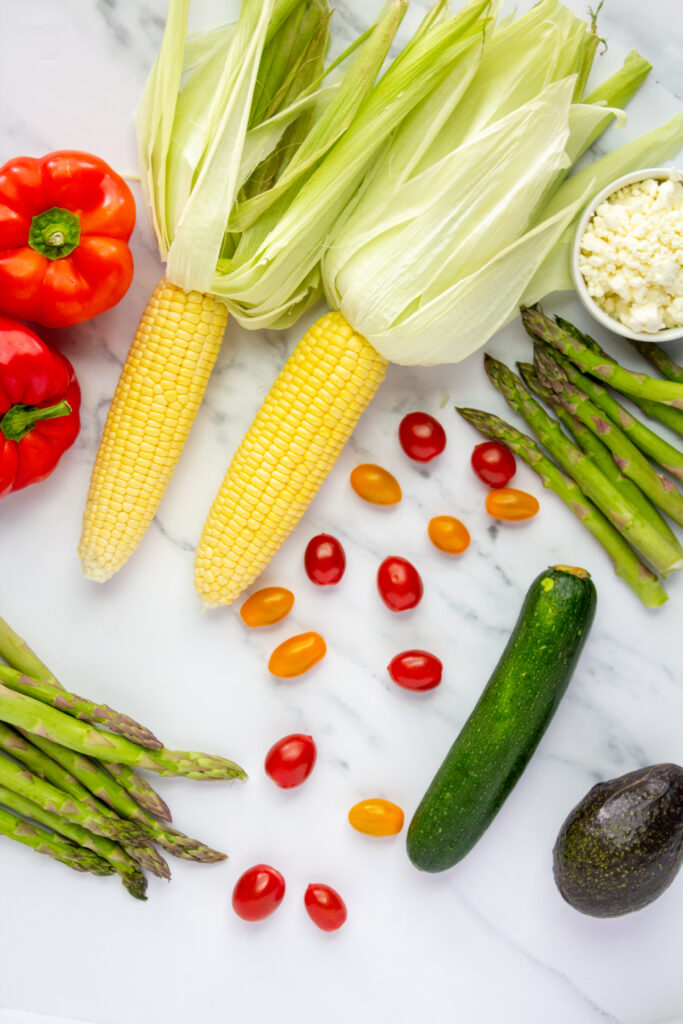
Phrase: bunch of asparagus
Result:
[68,781]
[608,463]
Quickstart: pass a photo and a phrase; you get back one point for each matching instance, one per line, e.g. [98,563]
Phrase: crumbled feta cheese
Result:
[632,255]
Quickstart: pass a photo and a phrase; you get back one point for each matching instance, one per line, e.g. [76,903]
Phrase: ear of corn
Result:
[155,403]
[299,432]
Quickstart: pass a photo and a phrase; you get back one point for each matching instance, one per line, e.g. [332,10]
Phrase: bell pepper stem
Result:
[55,233]
[21,419]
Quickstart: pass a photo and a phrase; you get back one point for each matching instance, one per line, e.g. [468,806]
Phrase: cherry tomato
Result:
[324,560]
[376,485]
[258,893]
[493,463]
[416,670]
[421,436]
[399,584]
[376,817]
[511,505]
[266,606]
[448,534]
[325,907]
[290,761]
[296,655]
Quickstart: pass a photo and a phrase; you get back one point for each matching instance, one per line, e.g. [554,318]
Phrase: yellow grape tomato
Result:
[376,817]
[511,505]
[295,656]
[448,534]
[376,485]
[267,606]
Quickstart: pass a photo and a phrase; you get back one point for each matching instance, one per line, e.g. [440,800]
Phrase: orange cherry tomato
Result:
[448,534]
[376,485]
[510,504]
[295,656]
[376,817]
[266,606]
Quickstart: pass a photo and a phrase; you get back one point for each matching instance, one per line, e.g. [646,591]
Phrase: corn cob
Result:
[155,403]
[291,446]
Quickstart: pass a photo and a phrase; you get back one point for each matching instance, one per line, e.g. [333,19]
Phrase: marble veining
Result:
[489,941]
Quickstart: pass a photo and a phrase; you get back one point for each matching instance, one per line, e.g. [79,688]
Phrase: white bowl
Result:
[669,333]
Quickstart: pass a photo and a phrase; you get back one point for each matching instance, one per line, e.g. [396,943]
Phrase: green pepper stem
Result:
[21,419]
[55,233]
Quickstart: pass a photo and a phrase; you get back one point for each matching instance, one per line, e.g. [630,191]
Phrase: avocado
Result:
[622,845]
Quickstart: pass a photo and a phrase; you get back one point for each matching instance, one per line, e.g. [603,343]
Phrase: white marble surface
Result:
[488,941]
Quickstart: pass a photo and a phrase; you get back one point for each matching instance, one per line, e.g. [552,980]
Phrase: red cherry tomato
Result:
[258,893]
[421,436]
[324,560]
[399,584]
[325,907]
[290,761]
[416,670]
[493,463]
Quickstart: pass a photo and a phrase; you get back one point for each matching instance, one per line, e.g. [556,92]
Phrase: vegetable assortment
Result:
[273,177]
[608,480]
[439,122]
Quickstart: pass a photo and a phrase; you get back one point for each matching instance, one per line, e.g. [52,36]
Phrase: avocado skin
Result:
[622,846]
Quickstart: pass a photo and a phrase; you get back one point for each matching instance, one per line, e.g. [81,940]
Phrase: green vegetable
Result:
[593,447]
[660,490]
[81,708]
[54,846]
[124,865]
[40,762]
[670,458]
[635,384]
[626,563]
[660,359]
[139,789]
[112,799]
[670,417]
[622,845]
[50,798]
[638,531]
[500,736]
[20,656]
[26,713]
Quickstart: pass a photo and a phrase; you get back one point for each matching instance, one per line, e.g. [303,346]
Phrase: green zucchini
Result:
[505,727]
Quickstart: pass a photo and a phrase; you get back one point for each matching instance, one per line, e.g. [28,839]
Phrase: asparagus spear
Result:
[129,872]
[651,444]
[139,789]
[671,418]
[54,846]
[637,384]
[64,776]
[112,799]
[19,655]
[663,555]
[40,719]
[626,563]
[596,450]
[50,798]
[660,359]
[630,459]
[79,707]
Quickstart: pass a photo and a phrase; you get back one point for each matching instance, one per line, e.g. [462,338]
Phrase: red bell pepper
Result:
[65,221]
[39,403]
